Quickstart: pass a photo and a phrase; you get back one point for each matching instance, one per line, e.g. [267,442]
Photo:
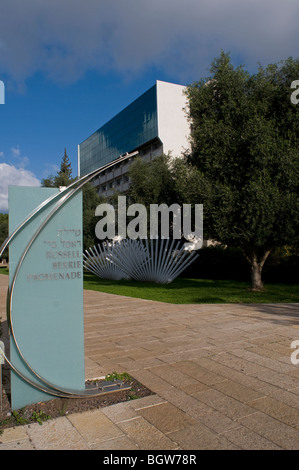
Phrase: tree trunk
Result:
[256,276]
[257,264]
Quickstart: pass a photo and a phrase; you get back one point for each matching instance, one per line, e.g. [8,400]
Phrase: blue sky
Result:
[69,66]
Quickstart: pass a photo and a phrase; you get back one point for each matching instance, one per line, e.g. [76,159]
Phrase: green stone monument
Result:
[47,339]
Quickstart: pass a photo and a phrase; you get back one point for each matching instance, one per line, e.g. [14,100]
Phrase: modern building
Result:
[153,124]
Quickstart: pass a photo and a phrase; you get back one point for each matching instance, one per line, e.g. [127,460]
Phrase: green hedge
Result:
[217,262]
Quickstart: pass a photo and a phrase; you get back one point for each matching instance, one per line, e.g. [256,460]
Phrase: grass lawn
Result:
[194,291]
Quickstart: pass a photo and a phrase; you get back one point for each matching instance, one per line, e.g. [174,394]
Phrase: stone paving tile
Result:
[212,418]
[13,434]
[94,426]
[92,369]
[192,344]
[146,436]
[294,372]
[178,379]
[238,376]
[280,353]
[173,358]
[232,361]
[126,411]
[192,389]
[278,348]
[228,406]
[166,417]
[238,391]
[285,381]
[277,409]
[249,440]
[119,443]
[145,402]
[120,412]
[199,373]
[140,364]
[272,340]
[267,362]
[290,398]
[185,402]
[217,421]
[150,380]
[208,365]
[138,353]
[15,439]
[275,431]
[201,438]
[24,444]
[105,366]
[56,434]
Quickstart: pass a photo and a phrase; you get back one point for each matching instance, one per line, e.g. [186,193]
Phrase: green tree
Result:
[4,232]
[90,198]
[65,174]
[245,158]
[151,181]
[63,177]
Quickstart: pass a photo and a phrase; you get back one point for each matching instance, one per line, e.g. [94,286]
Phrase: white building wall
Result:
[173,126]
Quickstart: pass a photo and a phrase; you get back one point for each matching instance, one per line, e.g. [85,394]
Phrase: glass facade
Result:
[133,127]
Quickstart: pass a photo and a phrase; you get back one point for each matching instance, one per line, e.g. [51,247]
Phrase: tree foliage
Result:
[151,181]
[63,177]
[4,232]
[90,198]
[245,157]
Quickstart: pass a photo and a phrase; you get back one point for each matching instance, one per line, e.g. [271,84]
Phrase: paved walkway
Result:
[221,374]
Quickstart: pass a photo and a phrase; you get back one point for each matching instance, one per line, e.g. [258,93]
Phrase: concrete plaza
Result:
[222,378]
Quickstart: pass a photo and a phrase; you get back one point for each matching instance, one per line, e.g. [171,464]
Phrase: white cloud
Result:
[10,175]
[16,151]
[64,39]
[50,169]
[19,160]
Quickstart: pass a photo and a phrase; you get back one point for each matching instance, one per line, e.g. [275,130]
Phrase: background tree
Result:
[63,177]
[90,198]
[4,233]
[245,158]
[151,182]
[65,174]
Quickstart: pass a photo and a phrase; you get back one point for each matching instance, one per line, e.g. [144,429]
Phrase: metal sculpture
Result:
[153,260]
[59,199]
[151,263]
[97,260]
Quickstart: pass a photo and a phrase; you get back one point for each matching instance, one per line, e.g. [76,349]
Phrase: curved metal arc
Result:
[45,203]
[66,194]
[53,392]
[55,209]
[52,388]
